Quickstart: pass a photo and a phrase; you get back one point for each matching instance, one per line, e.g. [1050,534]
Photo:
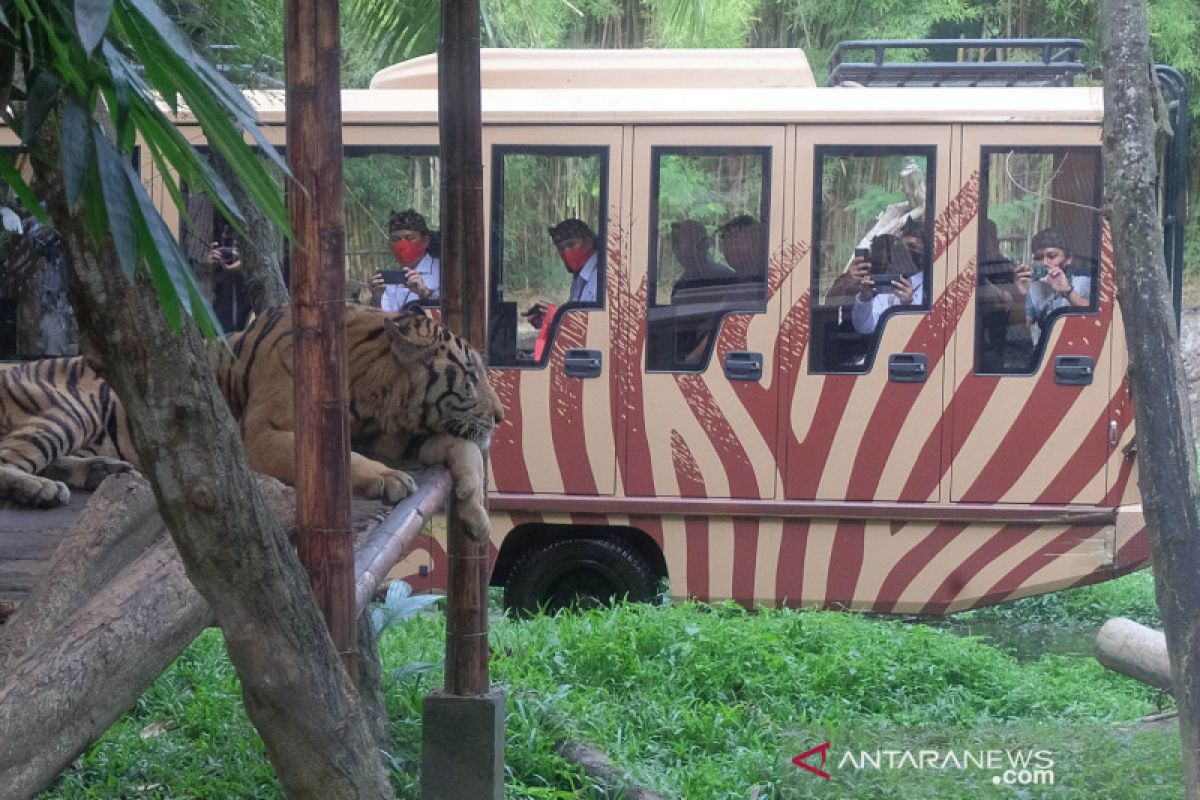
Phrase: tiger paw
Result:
[389,485]
[474,519]
[32,490]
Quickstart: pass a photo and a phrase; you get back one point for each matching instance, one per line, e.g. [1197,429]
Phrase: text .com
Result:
[1008,767]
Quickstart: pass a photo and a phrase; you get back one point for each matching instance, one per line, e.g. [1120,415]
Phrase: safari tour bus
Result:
[852,345]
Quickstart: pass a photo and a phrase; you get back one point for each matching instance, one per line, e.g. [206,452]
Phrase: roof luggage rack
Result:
[1055,63]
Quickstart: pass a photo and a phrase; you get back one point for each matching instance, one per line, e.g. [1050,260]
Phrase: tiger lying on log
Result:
[414,386]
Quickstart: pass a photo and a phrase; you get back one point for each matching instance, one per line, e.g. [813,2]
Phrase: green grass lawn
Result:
[705,702]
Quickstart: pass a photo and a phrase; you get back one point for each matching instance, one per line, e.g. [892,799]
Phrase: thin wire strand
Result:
[1042,194]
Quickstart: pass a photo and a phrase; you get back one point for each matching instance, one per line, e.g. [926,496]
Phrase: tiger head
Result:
[448,390]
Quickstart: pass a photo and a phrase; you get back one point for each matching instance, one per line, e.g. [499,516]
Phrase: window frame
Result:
[652,266]
[1096,238]
[403,150]
[820,151]
[496,240]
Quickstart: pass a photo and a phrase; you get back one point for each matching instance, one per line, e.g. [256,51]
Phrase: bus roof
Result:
[749,106]
[615,69]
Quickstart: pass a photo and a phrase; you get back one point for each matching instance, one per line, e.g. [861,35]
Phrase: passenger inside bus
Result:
[744,246]
[703,281]
[1054,280]
[692,247]
[895,275]
[1004,342]
[419,274]
[576,244]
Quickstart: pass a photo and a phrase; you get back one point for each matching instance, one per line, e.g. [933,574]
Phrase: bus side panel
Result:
[917,567]
[1019,434]
[856,434]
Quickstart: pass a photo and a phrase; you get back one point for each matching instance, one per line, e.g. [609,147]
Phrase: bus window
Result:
[391,195]
[708,249]
[1039,235]
[873,222]
[547,247]
[219,255]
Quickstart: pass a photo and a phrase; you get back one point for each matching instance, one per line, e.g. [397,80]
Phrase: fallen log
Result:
[113,610]
[600,768]
[1129,648]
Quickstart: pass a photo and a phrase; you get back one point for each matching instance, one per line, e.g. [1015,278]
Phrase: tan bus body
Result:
[948,454]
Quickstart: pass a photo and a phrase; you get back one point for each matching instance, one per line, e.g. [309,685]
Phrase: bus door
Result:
[1030,398]
[701,372]
[864,386]
[553,199]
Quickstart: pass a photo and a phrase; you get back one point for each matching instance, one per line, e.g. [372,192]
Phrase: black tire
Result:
[578,573]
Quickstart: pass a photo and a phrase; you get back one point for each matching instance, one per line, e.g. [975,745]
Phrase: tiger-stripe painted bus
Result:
[742,410]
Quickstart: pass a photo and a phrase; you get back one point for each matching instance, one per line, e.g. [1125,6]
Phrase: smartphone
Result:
[394,276]
[1039,270]
[883,281]
[862,253]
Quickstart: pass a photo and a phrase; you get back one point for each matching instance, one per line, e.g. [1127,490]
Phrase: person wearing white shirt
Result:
[576,246]
[410,239]
[873,301]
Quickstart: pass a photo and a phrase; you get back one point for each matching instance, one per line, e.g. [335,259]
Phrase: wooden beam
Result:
[314,154]
[460,120]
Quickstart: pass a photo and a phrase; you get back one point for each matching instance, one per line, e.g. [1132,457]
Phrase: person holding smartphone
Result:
[419,275]
[1054,280]
[901,282]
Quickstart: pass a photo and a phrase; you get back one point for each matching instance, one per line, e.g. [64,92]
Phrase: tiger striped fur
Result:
[414,387]
[61,426]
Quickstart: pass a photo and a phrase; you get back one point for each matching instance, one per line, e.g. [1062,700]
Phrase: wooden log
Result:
[119,522]
[600,768]
[62,694]
[114,610]
[1131,649]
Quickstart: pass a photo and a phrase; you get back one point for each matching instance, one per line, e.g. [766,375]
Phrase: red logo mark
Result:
[799,760]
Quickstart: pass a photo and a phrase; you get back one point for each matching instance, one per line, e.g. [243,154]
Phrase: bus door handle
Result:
[1074,370]
[743,366]
[582,363]
[908,367]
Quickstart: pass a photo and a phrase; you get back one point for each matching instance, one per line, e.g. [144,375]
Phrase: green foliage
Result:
[699,701]
[873,201]
[96,74]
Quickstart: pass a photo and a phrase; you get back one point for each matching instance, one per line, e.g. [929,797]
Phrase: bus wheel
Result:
[578,573]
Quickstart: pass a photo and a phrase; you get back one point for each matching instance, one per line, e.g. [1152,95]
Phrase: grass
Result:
[702,701]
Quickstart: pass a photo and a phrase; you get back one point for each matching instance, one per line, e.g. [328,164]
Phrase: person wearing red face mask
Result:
[577,248]
[410,243]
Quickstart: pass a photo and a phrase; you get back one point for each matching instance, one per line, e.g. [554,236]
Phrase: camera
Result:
[229,254]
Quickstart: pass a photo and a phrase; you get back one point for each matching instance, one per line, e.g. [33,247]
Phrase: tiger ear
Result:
[414,337]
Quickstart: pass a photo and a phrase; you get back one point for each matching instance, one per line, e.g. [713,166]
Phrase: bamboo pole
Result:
[459,120]
[314,153]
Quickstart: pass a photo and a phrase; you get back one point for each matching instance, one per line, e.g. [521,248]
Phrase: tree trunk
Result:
[1131,649]
[1166,456]
[296,691]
